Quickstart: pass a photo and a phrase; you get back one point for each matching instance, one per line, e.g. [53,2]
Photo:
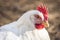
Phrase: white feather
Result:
[23,29]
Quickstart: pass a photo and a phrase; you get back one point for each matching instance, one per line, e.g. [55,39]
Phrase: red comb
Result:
[43,9]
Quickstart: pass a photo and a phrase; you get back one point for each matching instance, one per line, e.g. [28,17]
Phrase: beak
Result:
[46,24]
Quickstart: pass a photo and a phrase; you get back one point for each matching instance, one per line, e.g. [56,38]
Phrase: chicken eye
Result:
[37,16]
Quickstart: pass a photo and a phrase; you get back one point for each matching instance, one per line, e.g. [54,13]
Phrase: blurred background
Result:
[11,10]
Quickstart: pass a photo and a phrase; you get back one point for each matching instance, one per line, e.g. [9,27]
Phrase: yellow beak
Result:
[46,24]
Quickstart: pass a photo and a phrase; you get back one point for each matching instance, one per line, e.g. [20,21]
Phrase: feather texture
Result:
[23,29]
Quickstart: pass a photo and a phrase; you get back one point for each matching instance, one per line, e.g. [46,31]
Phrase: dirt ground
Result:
[11,10]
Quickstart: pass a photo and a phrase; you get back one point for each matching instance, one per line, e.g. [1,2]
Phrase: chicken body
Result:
[24,34]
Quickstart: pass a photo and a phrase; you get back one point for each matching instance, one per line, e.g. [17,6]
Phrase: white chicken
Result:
[30,26]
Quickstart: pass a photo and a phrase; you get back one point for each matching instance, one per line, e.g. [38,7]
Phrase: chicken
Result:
[30,26]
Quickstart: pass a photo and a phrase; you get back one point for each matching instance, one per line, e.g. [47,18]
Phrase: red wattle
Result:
[39,26]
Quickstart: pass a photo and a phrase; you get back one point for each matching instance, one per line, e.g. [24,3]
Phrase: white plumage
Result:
[23,29]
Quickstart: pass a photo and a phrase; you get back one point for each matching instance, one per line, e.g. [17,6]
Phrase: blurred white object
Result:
[24,29]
